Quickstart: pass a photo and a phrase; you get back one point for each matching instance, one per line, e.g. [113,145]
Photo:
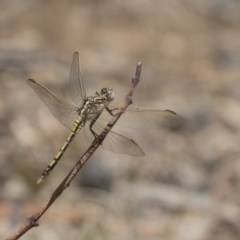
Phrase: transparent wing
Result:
[114,142]
[144,118]
[76,86]
[61,110]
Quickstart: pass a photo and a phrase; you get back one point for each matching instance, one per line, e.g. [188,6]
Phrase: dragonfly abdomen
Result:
[78,124]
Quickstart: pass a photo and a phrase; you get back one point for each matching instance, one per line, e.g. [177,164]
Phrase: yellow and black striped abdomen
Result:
[78,125]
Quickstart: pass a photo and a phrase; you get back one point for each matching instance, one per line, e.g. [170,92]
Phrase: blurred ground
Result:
[187,186]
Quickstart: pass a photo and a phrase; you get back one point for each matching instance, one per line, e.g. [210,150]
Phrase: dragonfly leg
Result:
[110,111]
[97,137]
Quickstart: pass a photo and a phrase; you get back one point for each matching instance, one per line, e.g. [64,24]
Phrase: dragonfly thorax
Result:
[108,93]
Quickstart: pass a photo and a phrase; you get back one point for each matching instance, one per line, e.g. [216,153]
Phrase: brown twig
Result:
[32,220]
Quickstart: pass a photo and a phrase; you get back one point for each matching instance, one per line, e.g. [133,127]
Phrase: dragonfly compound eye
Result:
[111,94]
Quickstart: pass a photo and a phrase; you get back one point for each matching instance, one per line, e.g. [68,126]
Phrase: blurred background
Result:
[187,186]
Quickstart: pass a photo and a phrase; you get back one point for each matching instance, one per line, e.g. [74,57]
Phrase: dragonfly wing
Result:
[64,112]
[76,86]
[144,118]
[114,142]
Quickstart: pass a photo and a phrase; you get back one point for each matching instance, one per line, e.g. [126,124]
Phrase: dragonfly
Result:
[92,113]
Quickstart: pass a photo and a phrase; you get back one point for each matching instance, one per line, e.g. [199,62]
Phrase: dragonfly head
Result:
[109,93]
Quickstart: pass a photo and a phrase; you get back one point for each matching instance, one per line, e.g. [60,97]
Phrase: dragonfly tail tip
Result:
[39,180]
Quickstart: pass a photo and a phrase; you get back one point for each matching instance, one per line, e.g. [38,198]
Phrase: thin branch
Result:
[32,220]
